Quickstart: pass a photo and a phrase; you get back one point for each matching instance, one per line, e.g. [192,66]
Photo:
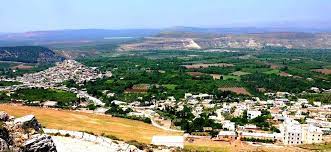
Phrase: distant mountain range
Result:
[175,38]
[87,35]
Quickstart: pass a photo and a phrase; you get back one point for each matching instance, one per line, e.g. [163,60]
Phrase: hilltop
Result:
[29,54]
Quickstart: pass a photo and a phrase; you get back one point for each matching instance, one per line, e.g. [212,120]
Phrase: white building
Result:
[303,101]
[312,134]
[292,132]
[170,141]
[227,124]
[227,135]
[253,114]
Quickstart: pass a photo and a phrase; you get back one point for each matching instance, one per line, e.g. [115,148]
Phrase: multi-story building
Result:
[311,134]
[292,132]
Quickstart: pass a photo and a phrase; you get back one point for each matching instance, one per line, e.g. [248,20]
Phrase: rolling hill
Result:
[29,54]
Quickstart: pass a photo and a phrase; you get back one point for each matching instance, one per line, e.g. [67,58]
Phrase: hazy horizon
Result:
[41,15]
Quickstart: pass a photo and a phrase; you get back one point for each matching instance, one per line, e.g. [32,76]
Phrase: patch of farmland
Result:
[203,65]
[323,71]
[240,73]
[237,90]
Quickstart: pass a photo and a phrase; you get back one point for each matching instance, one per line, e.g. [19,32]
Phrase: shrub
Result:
[139,145]
[111,137]
[257,140]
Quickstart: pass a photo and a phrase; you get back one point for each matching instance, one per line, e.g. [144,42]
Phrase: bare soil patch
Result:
[323,71]
[194,74]
[284,74]
[138,88]
[237,90]
[22,67]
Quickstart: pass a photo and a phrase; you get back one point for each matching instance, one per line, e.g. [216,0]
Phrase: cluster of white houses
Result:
[66,70]
[291,133]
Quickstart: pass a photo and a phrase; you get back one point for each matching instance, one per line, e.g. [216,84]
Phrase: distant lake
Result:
[114,38]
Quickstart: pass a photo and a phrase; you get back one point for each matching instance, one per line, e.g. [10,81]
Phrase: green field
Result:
[9,83]
[37,94]
[170,86]
[143,67]
[275,71]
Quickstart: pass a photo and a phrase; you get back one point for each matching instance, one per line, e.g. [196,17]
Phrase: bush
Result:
[139,145]
[111,137]
[257,140]
[88,132]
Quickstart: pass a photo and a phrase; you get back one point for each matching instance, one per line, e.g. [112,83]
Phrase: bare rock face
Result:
[4,116]
[23,134]
[29,123]
[3,145]
[4,134]
[39,143]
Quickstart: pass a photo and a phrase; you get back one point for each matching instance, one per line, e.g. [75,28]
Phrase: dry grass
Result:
[206,144]
[69,120]
[138,88]
[194,74]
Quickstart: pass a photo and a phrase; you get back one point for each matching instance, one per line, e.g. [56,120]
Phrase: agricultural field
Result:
[237,90]
[38,94]
[175,72]
[9,83]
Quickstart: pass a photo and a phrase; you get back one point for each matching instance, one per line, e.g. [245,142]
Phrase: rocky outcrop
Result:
[3,116]
[39,143]
[3,145]
[76,138]
[23,134]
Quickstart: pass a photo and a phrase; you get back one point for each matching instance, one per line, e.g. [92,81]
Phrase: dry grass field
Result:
[205,144]
[132,130]
[69,120]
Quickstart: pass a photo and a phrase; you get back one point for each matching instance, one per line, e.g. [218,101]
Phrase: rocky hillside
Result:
[23,135]
[29,54]
[182,41]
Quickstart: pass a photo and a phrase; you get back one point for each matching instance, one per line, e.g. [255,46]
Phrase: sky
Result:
[36,15]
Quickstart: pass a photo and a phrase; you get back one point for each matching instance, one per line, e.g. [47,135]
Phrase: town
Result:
[277,120]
